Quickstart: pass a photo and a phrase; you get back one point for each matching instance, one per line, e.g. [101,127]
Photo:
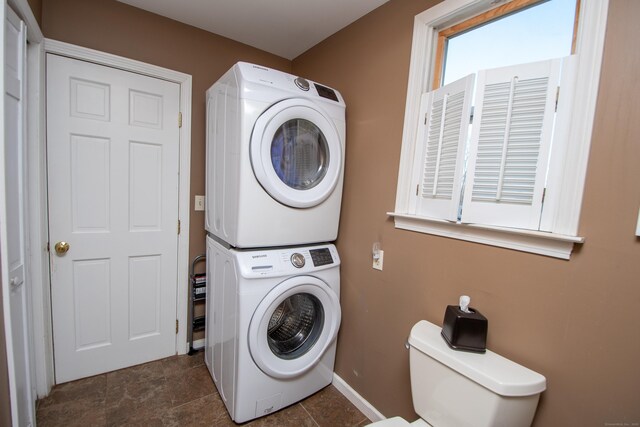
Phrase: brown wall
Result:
[36,8]
[576,321]
[114,27]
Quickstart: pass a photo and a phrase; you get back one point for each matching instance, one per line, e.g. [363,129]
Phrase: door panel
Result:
[12,225]
[112,142]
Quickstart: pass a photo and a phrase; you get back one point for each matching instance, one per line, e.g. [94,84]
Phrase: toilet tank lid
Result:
[492,371]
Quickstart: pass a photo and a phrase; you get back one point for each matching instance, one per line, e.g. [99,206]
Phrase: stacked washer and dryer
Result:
[275,161]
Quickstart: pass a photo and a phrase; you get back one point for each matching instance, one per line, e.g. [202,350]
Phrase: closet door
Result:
[14,286]
[113,168]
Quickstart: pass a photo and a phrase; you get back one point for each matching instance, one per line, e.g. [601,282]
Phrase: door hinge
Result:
[178,226]
[544,193]
[179,120]
[557,97]
[177,324]
[417,187]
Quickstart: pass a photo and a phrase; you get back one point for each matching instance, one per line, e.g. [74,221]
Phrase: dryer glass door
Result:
[299,154]
[296,153]
[293,326]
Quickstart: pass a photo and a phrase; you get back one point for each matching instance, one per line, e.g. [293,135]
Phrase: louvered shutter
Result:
[442,136]
[510,142]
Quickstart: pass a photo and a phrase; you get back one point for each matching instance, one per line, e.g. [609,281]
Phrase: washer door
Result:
[293,326]
[296,153]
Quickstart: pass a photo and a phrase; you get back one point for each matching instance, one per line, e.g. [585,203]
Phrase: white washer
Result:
[272,320]
[275,159]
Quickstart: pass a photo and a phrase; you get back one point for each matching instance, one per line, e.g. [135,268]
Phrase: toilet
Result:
[460,389]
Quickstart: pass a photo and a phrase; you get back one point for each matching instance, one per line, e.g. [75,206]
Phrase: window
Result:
[515,33]
[487,184]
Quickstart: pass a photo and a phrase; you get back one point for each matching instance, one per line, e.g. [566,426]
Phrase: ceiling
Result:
[285,28]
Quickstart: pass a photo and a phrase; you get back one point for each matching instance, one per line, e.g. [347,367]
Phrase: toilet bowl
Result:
[460,389]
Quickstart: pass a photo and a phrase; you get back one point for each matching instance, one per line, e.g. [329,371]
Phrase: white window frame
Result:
[562,205]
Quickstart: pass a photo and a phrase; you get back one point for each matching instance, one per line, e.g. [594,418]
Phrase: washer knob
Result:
[297,259]
[302,83]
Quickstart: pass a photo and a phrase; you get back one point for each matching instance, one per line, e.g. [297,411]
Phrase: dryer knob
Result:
[297,259]
[302,83]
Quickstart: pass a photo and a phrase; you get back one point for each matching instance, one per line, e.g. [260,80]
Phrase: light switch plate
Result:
[199,203]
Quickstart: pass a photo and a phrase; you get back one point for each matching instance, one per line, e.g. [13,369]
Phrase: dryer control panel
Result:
[253,74]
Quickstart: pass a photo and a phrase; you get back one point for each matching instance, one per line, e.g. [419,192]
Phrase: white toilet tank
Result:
[459,389]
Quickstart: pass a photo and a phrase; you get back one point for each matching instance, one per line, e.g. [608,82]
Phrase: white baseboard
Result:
[358,401]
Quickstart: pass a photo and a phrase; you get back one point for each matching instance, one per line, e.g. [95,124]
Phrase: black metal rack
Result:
[198,292]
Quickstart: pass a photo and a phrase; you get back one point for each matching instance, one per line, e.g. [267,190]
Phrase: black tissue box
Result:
[465,331]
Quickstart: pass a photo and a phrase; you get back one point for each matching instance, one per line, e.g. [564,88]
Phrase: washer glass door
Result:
[293,326]
[296,153]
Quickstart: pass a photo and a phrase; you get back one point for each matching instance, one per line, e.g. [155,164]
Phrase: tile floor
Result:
[177,391]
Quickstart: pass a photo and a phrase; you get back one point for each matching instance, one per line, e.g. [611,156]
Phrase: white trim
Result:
[4,261]
[564,219]
[358,401]
[589,50]
[185,82]
[36,222]
[537,242]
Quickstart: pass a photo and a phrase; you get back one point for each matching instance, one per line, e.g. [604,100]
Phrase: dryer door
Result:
[296,153]
[293,326]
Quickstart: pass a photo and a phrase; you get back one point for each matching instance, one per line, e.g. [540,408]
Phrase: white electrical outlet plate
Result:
[199,203]
[377,263]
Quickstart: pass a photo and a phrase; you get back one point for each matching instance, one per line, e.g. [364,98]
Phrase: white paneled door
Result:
[113,164]
[15,292]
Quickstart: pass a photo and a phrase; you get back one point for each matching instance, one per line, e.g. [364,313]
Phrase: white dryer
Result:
[275,159]
[272,320]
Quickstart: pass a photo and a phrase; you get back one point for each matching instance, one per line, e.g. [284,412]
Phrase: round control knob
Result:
[302,83]
[297,260]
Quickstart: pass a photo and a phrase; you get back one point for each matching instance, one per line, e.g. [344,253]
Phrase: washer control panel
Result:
[321,256]
[297,259]
[283,261]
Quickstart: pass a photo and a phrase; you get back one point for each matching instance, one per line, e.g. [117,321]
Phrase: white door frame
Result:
[38,220]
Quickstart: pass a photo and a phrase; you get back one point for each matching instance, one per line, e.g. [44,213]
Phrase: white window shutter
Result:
[510,142]
[442,136]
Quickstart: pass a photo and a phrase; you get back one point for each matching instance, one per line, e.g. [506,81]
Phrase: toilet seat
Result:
[391,422]
[400,422]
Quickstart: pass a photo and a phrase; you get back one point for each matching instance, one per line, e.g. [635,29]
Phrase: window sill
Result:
[537,242]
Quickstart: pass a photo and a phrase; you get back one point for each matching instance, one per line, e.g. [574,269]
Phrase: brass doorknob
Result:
[61,248]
